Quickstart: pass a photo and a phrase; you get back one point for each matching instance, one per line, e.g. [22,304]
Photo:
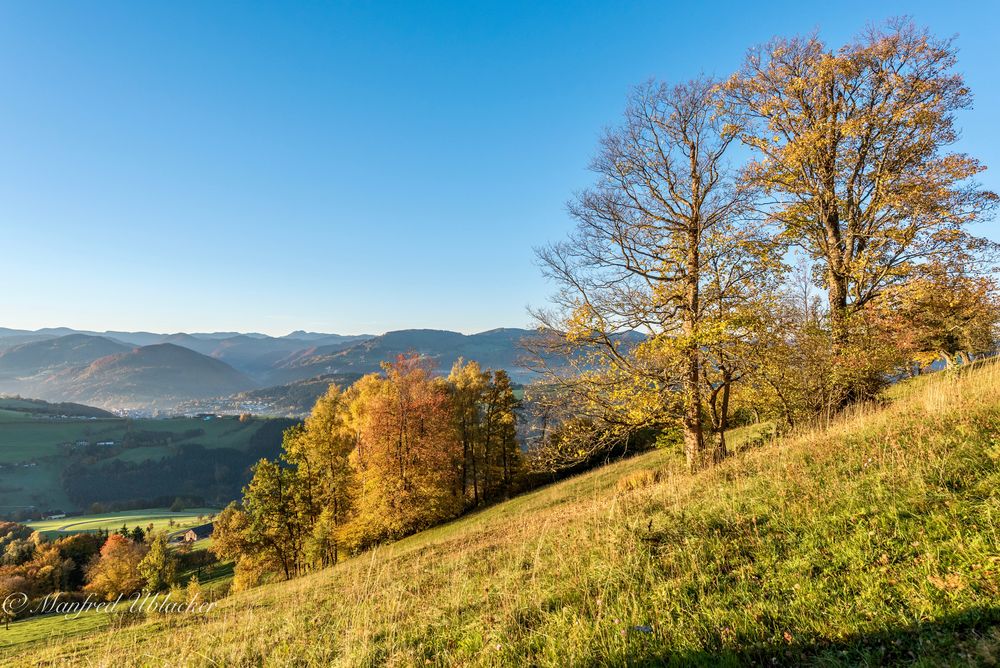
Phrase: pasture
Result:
[160,518]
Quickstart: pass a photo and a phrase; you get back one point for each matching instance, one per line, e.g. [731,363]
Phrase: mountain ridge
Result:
[72,366]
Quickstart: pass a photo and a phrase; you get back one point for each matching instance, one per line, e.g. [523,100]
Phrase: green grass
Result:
[39,485]
[160,519]
[30,438]
[34,438]
[7,415]
[872,541]
[37,440]
[47,628]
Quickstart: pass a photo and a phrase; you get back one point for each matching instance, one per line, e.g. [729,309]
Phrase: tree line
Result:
[785,241]
[100,564]
[396,452]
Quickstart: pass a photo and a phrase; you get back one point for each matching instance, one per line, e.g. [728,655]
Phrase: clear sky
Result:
[344,167]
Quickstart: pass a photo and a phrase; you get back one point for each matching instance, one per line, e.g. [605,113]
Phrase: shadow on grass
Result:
[970,638]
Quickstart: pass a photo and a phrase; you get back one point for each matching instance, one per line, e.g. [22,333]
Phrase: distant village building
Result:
[197,533]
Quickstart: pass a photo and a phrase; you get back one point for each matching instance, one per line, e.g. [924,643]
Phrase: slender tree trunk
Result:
[694,443]
[465,458]
[487,459]
[721,452]
[475,477]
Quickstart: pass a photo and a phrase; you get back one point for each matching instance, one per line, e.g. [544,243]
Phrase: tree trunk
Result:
[721,452]
[465,460]
[837,294]
[694,443]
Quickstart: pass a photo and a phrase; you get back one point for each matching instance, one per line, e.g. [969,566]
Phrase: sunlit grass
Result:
[871,540]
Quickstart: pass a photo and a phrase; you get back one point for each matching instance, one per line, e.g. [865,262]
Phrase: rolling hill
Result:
[16,408]
[66,365]
[157,376]
[871,540]
[37,357]
[294,399]
[497,348]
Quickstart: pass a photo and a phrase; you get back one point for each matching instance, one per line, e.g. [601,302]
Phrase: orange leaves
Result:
[409,471]
[114,545]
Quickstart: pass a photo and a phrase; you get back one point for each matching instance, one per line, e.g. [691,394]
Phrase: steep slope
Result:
[871,542]
[30,359]
[158,376]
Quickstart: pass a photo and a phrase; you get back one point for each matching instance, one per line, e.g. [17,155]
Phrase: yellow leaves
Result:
[730,130]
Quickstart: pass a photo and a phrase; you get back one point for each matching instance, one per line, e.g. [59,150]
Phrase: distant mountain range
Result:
[143,370]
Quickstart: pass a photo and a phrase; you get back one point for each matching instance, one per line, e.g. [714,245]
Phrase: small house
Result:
[197,533]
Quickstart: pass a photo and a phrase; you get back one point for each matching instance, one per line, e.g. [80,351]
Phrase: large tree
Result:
[408,455]
[320,453]
[853,145]
[637,259]
[116,570]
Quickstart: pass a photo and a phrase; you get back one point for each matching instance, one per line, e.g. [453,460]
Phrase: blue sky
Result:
[345,167]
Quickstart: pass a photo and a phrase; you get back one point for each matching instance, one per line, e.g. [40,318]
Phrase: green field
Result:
[49,628]
[30,438]
[34,450]
[160,519]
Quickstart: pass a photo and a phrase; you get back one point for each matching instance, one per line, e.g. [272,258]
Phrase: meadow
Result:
[161,519]
[871,540]
[34,450]
[30,438]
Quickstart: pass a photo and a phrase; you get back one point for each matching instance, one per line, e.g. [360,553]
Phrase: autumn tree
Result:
[10,586]
[501,454]
[945,312]
[272,502]
[116,569]
[319,452]
[408,455]
[78,549]
[741,275]
[853,146]
[636,263]
[159,567]
[483,407]
[468,383]
[234,538]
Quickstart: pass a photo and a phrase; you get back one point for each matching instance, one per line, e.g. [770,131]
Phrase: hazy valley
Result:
[146,374]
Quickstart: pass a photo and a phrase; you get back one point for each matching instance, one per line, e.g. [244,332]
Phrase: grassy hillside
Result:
[16,408]
[34,451]
[872,541]
[160,518]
